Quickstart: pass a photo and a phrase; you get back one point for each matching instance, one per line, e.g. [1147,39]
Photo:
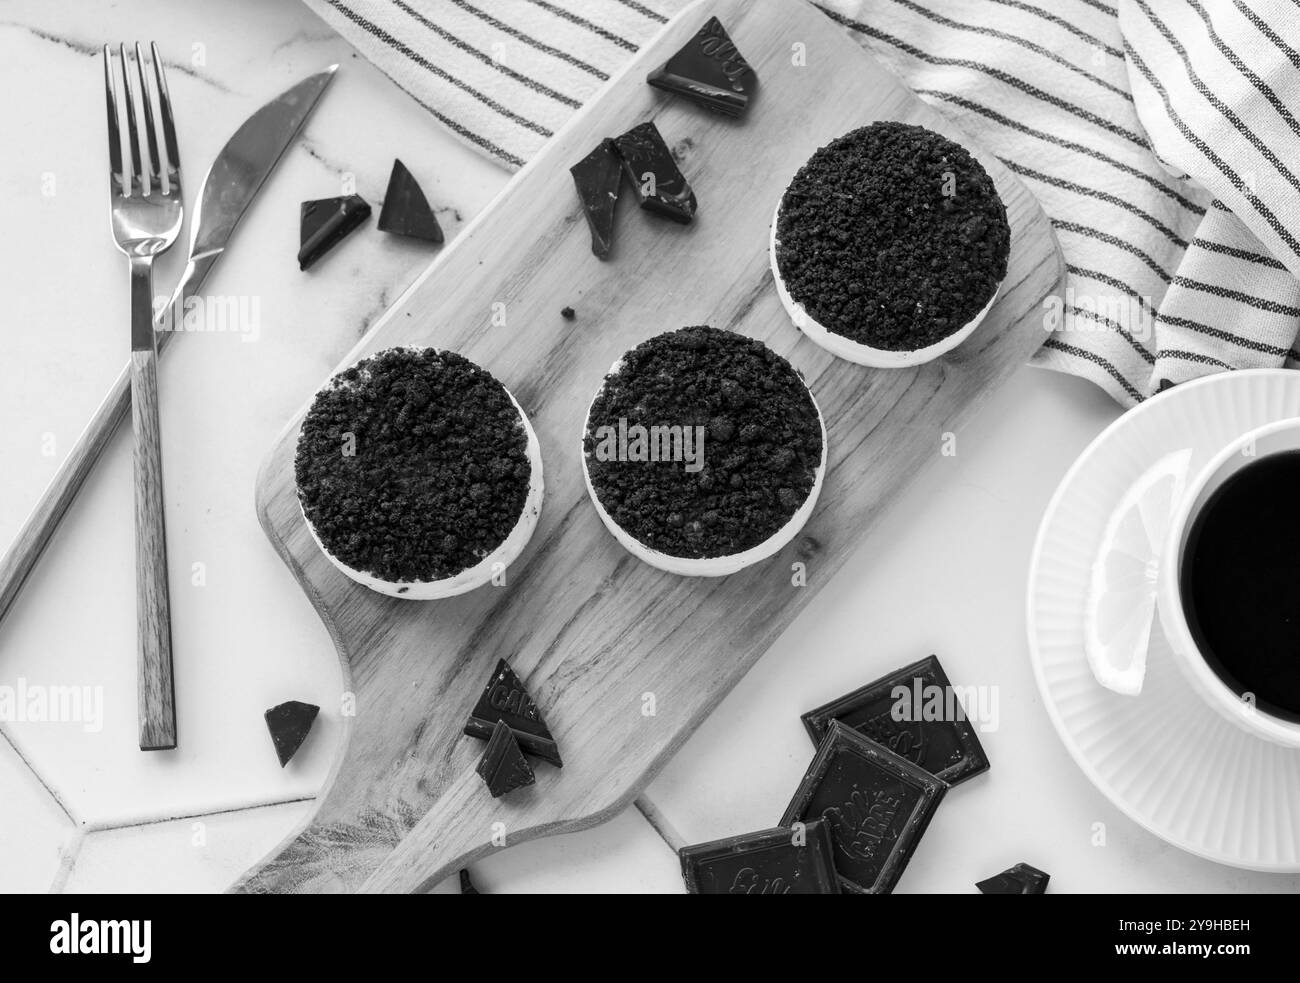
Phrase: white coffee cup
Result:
[1250,447]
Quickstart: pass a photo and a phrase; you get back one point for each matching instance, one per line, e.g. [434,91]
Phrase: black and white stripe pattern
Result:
[503,75]
[1163,140]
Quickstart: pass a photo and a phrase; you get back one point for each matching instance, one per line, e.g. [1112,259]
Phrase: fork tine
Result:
[154,164]
[114,132]
[169,128]
[136,183]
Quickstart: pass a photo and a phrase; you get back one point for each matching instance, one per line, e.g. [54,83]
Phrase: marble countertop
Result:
[81,809]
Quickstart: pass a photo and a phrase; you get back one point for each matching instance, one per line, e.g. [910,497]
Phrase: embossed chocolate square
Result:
[915,712]
[774,861]
[876,804]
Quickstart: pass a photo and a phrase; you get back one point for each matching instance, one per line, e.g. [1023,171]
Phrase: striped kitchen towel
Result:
[1161,137]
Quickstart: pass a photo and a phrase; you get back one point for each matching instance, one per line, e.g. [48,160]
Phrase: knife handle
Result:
[36,532]
[154,680]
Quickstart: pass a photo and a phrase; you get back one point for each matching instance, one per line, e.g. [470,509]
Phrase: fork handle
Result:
[154,681]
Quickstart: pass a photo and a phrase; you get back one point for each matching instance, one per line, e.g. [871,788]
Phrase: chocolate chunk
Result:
[876,804]
[1020,879]
[568,313]
[504,766]
[598,177]
[406,211]
[289,724]
[775,861]
[324,223]
[660,186]
[505,699]
[708,70]
[466,885]
[914,712]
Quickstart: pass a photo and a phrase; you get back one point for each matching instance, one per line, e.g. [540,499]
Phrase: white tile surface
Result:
[207,854]
[36,835]
[248,638]
[193,855]
[944,573]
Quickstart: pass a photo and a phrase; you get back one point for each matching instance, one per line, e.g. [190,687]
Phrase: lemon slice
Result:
[1122,592]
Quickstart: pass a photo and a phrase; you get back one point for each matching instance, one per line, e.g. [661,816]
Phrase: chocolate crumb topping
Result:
[892,236]
[761,443]
[412,465]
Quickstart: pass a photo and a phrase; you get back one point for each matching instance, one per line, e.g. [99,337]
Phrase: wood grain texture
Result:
[154,685]
[595,634]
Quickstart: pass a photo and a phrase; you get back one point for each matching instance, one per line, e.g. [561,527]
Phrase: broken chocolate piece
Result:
[504,698]
[324,223]
[876,804]
[406,211]
[597,178]
[660,186]
[466,885]
[289,724]
[504,766]
[1020,879]
[915,713]
[708,70]
[568,313]
[775,861]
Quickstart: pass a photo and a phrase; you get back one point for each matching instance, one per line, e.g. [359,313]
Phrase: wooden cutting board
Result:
[624,660]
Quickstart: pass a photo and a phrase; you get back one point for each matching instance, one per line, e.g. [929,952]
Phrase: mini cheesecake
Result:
[418,474]
[889,246]
[703,452]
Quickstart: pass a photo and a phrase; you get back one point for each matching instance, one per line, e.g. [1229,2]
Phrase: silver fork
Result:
[145,210]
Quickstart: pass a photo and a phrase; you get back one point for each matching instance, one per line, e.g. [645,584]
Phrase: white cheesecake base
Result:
[852,351]
[706,566]
[480,573]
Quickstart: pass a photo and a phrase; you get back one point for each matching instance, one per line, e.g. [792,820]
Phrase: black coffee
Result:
[1241,583]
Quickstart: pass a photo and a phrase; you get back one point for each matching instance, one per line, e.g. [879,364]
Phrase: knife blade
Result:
[231,184]
[235,178]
